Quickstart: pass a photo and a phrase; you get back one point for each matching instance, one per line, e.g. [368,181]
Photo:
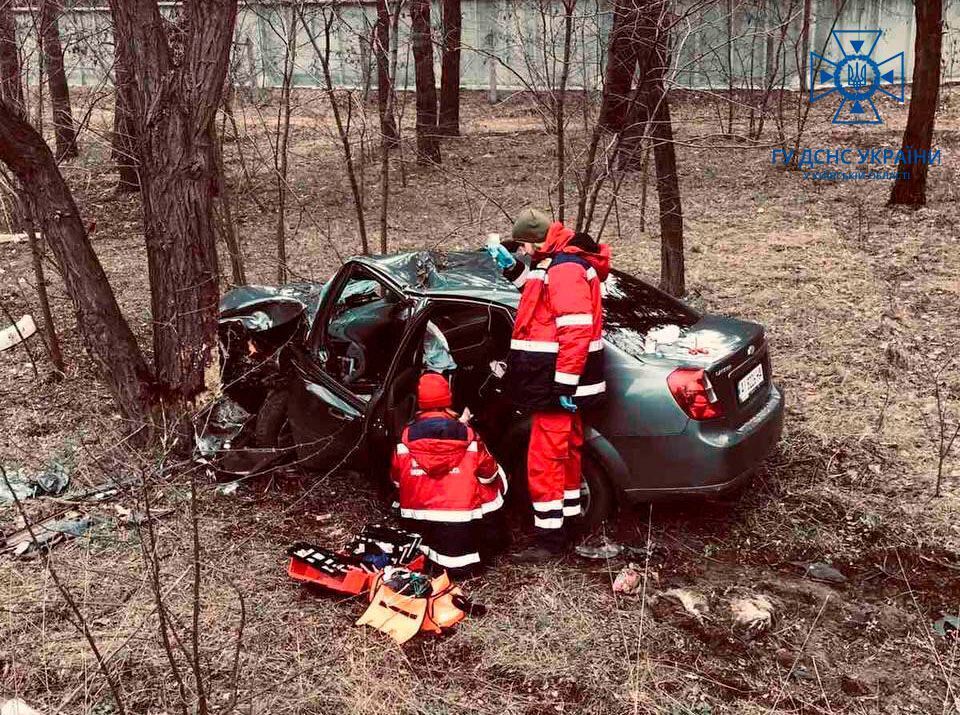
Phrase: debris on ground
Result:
[819,571]
[218,427]
[229,488]
[19,483]
[16,706]
[693,603]
[605,550]
[628,580]
[133,517]
[949,623]
[754,613]
[17,333]
[46,534]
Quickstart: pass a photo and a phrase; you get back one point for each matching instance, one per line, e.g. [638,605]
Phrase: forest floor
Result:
[860,305]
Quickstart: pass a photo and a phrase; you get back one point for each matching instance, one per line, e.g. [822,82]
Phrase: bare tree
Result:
[11,90]
[428,147]
[560,103]
[282,155]
[66,137]
[11,87]
[328,16]
[452,21]
[385,94]
[105,332]
[910,187]
[123,144]
[178,176]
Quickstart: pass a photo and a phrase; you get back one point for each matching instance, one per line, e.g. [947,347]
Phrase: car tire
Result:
[601,503]
[271,420]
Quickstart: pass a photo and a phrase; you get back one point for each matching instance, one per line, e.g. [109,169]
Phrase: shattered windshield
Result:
[436,270]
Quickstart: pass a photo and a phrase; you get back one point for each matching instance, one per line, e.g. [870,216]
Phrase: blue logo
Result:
[856,76]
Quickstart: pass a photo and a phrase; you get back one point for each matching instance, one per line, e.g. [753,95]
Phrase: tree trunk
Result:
[428,147]
[123,145]
[622,50]
[381,48]
[105,332]
[560,106]
[655,101]
[11,88]
[910,187]
[226,212]
[449,123]
[282,156]
[66,137]
[672,278]
[178,177]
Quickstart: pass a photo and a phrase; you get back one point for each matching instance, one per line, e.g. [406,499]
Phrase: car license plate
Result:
[749,383]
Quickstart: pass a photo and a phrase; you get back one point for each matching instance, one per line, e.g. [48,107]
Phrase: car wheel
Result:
[271,428]
[597,499]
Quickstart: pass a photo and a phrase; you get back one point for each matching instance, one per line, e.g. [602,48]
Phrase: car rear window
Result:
[633,307]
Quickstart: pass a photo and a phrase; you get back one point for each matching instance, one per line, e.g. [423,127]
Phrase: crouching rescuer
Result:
[451,488]
[555,364]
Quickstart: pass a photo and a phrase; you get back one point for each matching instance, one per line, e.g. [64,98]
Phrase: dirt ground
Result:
[859,302]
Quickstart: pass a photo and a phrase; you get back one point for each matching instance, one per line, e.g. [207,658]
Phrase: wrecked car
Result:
[329,373]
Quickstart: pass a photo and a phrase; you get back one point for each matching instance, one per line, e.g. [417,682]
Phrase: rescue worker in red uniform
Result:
[555,364]
[450,487]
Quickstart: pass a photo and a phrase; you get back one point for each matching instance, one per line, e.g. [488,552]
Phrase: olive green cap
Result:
[531,226]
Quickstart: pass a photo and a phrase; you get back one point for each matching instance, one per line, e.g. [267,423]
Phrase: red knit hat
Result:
[433,392]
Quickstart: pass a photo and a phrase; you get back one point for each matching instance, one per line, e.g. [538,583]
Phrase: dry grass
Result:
[857,310]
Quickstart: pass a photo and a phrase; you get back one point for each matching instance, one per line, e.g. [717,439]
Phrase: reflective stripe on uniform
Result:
[553,523]
[451,562]
[594,389]
[492,505]
[596,345]
[414,472]
[571,494]
[492,477]
[538,275]
[472,447]
[442,515]
[402,449]
[535,346]
[575,319]
[566,378]
[522,278]
[547,505]
[591,273]
[571,510]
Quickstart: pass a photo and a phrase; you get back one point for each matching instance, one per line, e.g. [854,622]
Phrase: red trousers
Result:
[553,473]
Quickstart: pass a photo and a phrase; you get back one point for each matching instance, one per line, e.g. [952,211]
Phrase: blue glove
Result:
[566,402]
[502,256]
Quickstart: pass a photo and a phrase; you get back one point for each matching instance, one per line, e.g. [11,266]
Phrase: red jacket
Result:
[444,472]
[556,347]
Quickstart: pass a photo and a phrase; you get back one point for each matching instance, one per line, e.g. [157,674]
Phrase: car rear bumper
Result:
[704,459]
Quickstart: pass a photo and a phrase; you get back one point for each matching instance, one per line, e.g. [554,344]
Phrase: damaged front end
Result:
[256,324]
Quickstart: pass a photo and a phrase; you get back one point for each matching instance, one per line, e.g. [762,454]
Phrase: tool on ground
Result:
[352,571]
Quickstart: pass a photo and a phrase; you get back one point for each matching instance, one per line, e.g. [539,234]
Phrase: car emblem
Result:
[751,350]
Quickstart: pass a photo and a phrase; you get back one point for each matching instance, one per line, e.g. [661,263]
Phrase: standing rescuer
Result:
[555,364]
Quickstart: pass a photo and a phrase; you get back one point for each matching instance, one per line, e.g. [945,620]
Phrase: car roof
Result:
[446,274]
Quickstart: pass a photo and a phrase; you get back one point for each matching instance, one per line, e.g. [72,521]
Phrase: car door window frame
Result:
[317,336]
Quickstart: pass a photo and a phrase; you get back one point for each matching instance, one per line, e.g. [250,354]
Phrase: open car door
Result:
[326,420]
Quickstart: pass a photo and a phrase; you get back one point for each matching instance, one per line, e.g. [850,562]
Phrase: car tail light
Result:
[692,390]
